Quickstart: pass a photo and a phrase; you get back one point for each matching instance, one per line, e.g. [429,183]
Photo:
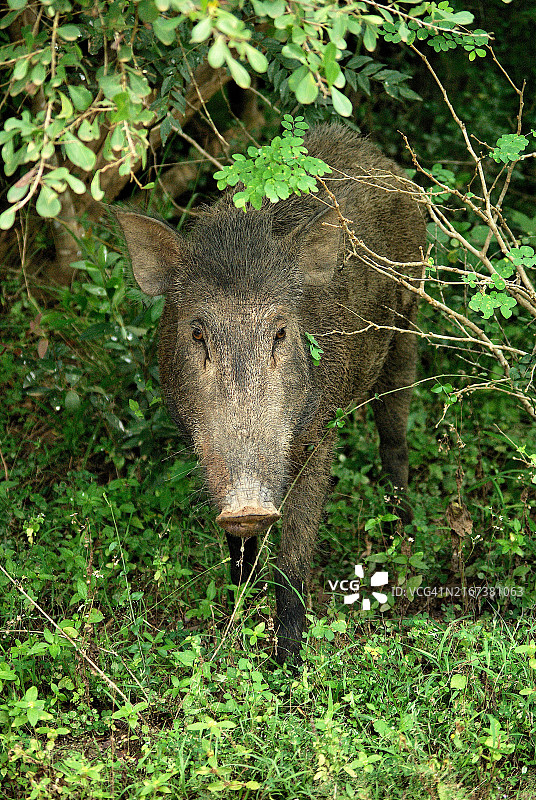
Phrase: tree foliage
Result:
[95,90]
[104,519]
[92,87]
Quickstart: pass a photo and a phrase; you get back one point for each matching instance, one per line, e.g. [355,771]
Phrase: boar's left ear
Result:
[320,240]
[154,248]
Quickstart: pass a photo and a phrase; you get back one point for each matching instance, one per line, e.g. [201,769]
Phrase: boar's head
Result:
[234,363]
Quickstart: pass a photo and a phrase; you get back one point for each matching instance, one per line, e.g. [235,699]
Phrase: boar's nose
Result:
[248,520]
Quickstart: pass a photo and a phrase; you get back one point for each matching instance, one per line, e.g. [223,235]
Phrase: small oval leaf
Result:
[72,400]
[68,33]
[341,103]
[48,204]
[78,153]
[458,682]
[239,73]
[96,192]
[307,89]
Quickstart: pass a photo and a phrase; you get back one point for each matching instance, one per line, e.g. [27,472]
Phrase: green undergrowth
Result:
[127,673]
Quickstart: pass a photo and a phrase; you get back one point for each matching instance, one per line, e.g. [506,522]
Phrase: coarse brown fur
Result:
[241,292]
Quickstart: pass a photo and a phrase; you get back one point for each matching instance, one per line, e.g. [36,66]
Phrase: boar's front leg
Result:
[301,517]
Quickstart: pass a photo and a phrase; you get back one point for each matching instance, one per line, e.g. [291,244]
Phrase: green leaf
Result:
[239,73]
[78,153]
[296,77]
[148,11]
[258,60]
[110,85]
[34,715]
[460,18]
[78,186]
[81,97]
[69,33]
[307,90]
[274,8]
[458,681]
[66,107]
[31,694]
[509,147]
[341,103]
[18,191]
[137,84]
[202,30]
[21,68]
[370,37]
[7,218]
[331,68]
[88,131]
[295,52]
[48,204]
[218,53]
[96,192]
[38,74]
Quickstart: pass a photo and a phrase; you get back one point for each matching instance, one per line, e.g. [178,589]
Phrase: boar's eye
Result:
[281,333]
[197,333]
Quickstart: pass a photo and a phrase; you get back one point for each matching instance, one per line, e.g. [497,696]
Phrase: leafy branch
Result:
[276,170]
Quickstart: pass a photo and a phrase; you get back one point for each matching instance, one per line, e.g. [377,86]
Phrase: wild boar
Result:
[242,290]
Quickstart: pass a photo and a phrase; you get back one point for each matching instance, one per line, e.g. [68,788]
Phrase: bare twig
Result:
[198,147]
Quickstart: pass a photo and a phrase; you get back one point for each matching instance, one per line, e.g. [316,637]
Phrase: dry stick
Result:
[445,225]
[6,471]
[223,142]
[401,278]
[498,205]
[449,312]
[491,219]
[264,99]
[390,271]
[520,294]
[81,653]
[461,320]
[414,331]
[467,139]
[506,75]
[523,295]
[198,147]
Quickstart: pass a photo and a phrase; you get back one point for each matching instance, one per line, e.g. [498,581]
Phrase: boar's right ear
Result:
[154,249]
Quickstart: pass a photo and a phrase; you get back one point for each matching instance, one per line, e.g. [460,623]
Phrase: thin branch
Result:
[198,147]
[414,331]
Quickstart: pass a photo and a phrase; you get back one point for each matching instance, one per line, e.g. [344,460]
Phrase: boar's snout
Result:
[248,520]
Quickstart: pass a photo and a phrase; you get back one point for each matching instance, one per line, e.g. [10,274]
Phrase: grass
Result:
[122,672]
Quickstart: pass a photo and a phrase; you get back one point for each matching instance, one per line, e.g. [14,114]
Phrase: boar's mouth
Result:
[248,520]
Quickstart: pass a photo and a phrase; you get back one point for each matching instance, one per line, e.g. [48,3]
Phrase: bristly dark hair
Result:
[234,251]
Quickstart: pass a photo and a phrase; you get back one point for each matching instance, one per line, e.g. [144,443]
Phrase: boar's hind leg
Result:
[391,415]
[242,561]
[301,517]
